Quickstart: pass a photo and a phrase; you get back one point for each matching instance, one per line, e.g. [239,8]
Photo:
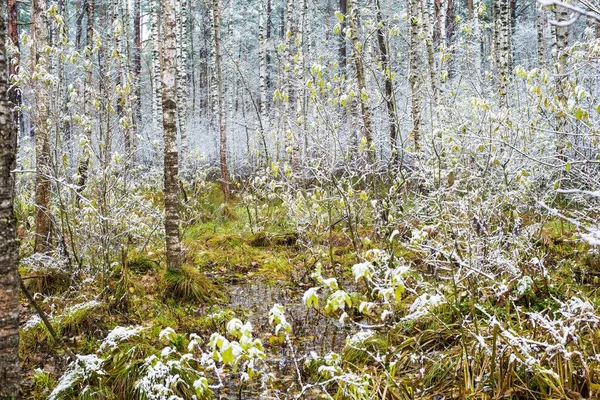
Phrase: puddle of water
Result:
[311,331]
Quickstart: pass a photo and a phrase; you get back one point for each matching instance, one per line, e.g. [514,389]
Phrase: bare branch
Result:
[591,12]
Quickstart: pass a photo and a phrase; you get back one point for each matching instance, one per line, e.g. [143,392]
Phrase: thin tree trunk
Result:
[169,111]
[137,61]
[263,67]
[389,89]
[13,33]
[42,140]
[541,42]
[156,63]
[562,42]
[342,50]
[181,26]
[502,44]
[413,79]
[216,20]
[360,78]
[268,44]
[87,126]
[10,368]
[430,50]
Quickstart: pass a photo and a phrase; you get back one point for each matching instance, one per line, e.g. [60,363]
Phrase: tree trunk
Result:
[10,368]
[502,41]
[181,26]
[360,78]
[389,88]
[169,111]
[413,79]
[562,42]
[430,51]
[268,43]
[263,67]
[137,61]
[342,50]
[156,63]
[14,94]
[541,42]
[220,101]
[42,140]
[87,84]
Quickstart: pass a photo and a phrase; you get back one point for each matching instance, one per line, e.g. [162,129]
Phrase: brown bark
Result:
[470,10]
[169,109]
[216,9]
[389,89]
[10,369]
[85,161]
[42,140]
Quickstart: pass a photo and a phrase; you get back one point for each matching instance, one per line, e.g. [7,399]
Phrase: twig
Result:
[44,318]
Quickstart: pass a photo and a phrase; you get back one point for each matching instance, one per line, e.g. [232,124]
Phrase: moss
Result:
[142,265]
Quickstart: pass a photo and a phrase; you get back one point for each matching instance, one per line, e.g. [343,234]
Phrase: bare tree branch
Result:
[591,11]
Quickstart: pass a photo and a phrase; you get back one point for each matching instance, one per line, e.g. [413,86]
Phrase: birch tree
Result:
[413,79]
[502,52]
[182,35]
[357,48]
[169,112]
[562,42]
[263,74]
[156,63]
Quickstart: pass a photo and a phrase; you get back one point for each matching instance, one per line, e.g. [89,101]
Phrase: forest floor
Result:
[246,271]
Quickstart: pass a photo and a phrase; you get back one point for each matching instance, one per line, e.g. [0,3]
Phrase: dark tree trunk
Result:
[389,89]
[10,369]
[342,50]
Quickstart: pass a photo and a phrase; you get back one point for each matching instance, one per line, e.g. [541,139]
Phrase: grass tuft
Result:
[189,284]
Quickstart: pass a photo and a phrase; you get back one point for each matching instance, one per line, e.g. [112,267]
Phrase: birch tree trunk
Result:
[42,140]
[430,51]
[220,101]
[360,78]
[502,42]
[13,34]
[10,368]
[156,65]
[169,111]
[291,146]
[137,61]
[562,42]
[181,27]
[263,71]
[413,79]
[541,42]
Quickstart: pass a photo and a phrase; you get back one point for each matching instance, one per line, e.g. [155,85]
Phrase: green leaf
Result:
[227,355]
